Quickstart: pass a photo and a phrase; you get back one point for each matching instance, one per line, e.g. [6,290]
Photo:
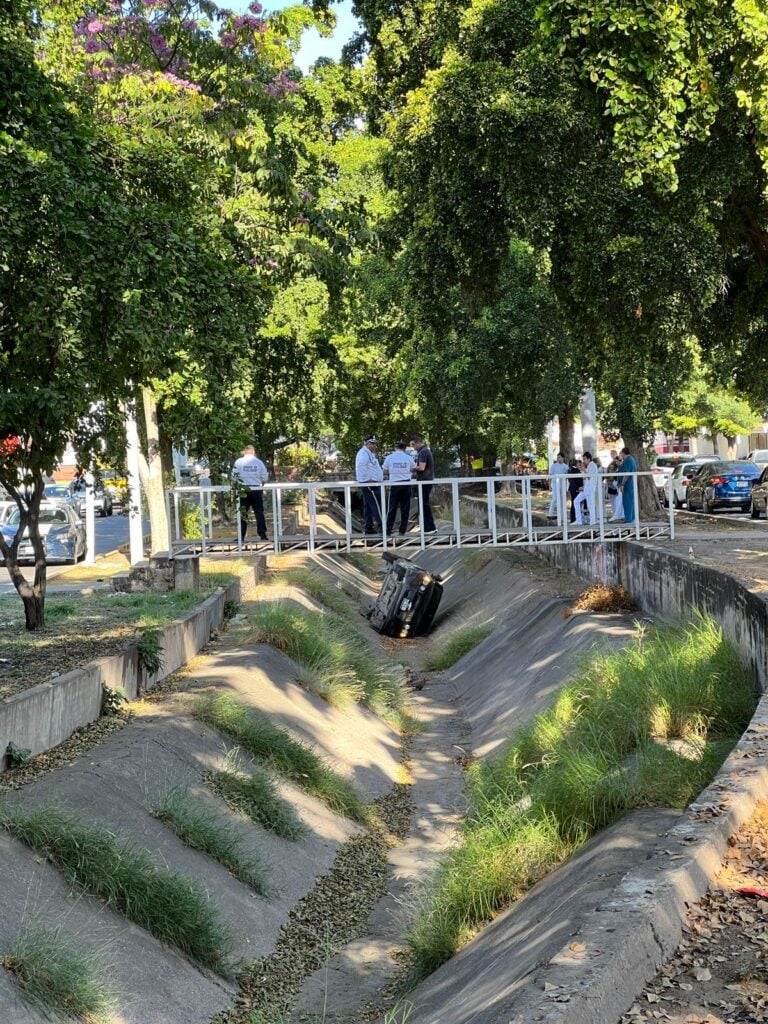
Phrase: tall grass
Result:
[459,643]
[600,750]
[288,757]
[204,830]
[316,586]
[254,795]
[59,977]
[173,908]
[340,664]
[365,562]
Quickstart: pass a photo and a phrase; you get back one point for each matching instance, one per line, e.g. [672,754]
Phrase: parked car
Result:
[58,493]
[102,499]
[664,465]
[681,477]
[759,503]
[759,455]
[722,485]
[62,532]
[408,599]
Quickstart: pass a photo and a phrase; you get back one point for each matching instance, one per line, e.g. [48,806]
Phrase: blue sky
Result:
[313,45]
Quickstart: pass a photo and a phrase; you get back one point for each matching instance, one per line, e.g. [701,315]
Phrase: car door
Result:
[760,492]
[695,488]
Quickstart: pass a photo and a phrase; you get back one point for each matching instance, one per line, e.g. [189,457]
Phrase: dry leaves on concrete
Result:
[719,973]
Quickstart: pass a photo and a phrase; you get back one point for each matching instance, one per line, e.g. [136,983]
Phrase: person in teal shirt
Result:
[627,485]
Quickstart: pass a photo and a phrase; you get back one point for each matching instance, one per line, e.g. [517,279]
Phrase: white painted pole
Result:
[90,520]
[588,422]
[135,530]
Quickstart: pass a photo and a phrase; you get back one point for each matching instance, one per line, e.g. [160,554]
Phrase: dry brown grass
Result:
[603,599]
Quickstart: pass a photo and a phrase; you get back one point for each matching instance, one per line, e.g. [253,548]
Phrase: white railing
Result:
[330,523]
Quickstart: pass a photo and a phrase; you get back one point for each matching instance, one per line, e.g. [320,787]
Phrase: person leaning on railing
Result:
[249,474]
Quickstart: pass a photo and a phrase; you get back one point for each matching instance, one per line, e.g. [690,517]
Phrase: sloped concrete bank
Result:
[45,715]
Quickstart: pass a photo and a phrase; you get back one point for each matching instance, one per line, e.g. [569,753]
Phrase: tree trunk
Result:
[32,594]
[152,479]
[565,420]
[646,489]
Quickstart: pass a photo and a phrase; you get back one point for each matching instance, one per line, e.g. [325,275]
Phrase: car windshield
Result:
[48,516]
[55,491]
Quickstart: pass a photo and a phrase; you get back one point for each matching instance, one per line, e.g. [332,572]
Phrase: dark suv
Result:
[408,599]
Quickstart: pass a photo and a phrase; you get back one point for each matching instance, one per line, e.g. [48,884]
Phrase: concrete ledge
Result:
[48,714]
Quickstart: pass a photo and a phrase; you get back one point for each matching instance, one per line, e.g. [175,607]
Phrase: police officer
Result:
[398,467]
[250,474]
[368,471]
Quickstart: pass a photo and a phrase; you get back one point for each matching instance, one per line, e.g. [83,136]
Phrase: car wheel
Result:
[705,507]
[678,503]
[746,508]
[754,511]
[109,511]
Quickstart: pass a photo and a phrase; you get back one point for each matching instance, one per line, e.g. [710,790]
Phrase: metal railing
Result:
[508,514]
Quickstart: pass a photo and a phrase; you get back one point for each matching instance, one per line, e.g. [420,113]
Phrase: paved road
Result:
[111,532]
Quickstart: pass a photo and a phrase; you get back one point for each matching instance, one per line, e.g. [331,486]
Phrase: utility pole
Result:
[588,422]
[90,520]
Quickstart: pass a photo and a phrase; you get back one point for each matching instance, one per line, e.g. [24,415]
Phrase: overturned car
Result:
[408,599]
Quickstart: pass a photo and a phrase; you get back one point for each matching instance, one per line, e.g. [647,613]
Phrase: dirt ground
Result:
[719,973]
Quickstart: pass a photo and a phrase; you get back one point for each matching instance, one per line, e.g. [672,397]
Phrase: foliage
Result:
[111,701]
[173,908]
[299,462]
[59,976]
[602,748]
[280,752]
[455,646]
[150,650]
[17,756]
[204,830]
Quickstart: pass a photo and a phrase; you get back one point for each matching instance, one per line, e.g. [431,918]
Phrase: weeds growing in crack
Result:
[173,908]
[204,830]
[645,726]
[253,793]
[281,753]
[59,976]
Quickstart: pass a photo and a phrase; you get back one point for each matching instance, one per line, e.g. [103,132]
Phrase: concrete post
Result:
[90,520]
[588,422]
[135,530]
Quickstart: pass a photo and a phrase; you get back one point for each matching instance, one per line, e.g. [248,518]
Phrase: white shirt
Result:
[558,467]
[399,465]
[250,471]
[367,468]
[591,478]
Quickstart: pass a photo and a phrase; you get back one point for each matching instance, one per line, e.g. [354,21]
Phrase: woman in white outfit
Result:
[590,493]
[558,471]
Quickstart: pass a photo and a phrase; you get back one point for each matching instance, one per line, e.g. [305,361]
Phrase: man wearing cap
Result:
[250,474]
[398,467]
[369,471]
[425,470]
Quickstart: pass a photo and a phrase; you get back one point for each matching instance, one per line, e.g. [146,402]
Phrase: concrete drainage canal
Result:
[316,823]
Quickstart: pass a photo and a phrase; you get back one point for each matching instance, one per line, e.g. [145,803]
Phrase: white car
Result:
[681,477]
[665,465]
[759,455]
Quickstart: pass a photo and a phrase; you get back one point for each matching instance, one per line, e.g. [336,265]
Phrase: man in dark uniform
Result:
[425,470]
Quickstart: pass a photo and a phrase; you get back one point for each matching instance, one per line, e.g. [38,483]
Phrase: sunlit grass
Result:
[449,649]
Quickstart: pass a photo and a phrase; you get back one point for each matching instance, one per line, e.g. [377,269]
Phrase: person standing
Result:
[250,474]
[614,493]
[368,471]
[557,471]
[590,493]
[574,485]
[425,470]
[398,467]
[627,485]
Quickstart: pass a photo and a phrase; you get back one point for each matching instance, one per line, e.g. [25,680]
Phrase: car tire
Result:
[754,511]
[707,511]
[109,511]
[746,508]
[678,503]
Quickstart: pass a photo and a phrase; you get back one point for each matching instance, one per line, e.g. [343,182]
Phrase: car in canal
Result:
[723,485]
[408,599]
[61,529]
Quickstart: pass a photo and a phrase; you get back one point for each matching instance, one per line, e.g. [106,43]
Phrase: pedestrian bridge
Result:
[508,511]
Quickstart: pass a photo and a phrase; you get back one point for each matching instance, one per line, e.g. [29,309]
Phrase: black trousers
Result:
[371,510]
[253,499]
[429,519]
[399,499]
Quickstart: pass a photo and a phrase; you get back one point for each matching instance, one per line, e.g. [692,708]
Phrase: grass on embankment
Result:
[340,664]
[281,753]
[254,795]
[58,977]
[204,830]
[173,908]
[315,585]
[600,750]
[457,645]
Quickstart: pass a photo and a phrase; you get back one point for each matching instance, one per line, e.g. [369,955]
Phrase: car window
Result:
[48,516]
[748,468]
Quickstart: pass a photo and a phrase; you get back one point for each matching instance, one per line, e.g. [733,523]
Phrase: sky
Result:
[313,45]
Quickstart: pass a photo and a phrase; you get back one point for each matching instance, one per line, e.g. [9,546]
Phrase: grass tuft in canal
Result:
[204,830]
[60,977]
[645,726]
[456,645]
[173,908]
[253,793]
[281,753]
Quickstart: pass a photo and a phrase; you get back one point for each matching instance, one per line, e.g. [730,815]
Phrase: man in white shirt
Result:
[398,467]
[369,471]
[558,471]
[591,491]
[249,474]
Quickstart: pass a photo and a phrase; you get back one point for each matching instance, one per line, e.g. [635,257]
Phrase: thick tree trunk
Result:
[565,419]
[151,475]
[646,488]
[32,594]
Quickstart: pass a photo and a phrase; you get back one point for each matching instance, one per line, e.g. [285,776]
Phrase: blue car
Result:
[722,485]
[62,532]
